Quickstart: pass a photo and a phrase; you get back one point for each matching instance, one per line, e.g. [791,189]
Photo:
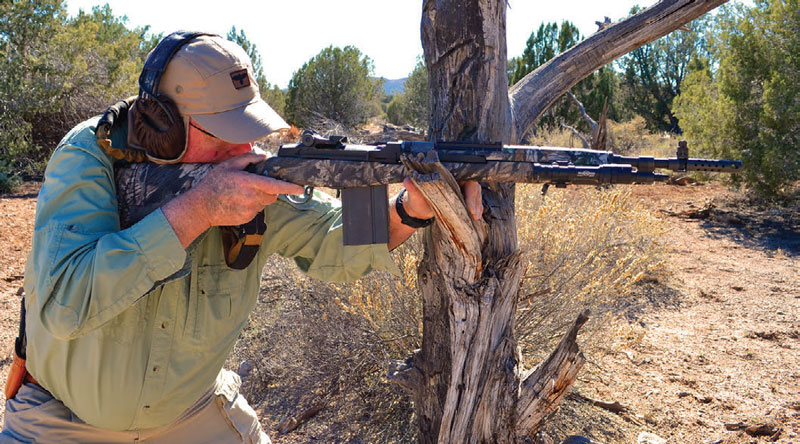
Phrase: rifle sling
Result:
[241,243]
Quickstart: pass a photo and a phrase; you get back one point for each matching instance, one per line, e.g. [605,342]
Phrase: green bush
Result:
[335,85]
[748,108]
[411,107]
[15,146]
[9,179]
[397,110]
[56,71]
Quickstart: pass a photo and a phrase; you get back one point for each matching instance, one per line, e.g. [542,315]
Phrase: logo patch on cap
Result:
[240,79]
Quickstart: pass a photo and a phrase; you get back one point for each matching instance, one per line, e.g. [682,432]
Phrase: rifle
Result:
[362,173]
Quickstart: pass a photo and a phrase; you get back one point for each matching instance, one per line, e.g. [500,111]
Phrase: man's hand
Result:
[416,206]
[225,196]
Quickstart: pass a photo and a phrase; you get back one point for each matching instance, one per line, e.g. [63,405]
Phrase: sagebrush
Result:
[313,343]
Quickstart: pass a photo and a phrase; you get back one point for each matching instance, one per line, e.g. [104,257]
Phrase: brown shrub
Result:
[628,138]
[582,248]
[313,342]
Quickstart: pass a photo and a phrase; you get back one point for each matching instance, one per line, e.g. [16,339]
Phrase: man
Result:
[128,329]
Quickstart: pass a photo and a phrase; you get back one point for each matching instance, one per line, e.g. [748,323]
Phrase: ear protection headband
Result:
[156,64]
[162,135]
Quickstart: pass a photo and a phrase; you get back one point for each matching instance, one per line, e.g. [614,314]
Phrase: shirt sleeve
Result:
[311,234]
[83,271]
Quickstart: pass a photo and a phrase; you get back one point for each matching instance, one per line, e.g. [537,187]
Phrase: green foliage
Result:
[412,107]
[749,107]
[544,44]
[270,93]
[396,110]
[9,179]
[417,97]
[335,85]
[654,73]
[548,41]
[56,71]
[107,56]
[14,140]
[26,28]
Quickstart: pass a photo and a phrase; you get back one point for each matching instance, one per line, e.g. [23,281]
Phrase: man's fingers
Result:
[266,184]
[472,195]
[275,186]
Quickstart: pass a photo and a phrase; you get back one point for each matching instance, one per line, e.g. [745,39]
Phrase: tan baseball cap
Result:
[211,80]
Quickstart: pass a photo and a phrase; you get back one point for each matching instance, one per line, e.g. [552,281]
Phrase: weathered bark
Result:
[467,382]
[544,387]
[532,95]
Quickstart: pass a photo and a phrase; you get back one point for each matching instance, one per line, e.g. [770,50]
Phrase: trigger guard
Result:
[308,193]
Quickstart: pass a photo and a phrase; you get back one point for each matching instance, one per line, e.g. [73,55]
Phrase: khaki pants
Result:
[221,415]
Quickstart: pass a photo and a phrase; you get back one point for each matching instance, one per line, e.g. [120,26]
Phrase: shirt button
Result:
[156,369]
[164,324]
[146,407]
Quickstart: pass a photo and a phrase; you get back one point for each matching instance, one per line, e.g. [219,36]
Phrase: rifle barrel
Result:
[645,163]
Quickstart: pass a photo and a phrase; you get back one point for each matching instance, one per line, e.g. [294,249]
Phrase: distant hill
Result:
[393,86]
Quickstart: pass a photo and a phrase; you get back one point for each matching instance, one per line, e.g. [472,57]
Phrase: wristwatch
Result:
[412,222]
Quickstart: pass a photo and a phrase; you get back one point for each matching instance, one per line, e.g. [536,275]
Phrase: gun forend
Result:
[594,175]
[645,163]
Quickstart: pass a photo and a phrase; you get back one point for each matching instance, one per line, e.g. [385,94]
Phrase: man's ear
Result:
[159,127]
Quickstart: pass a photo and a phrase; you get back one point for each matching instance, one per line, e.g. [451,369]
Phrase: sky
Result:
[288,33]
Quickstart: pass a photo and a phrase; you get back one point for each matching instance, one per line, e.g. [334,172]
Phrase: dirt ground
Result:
[712,351]
[711,355]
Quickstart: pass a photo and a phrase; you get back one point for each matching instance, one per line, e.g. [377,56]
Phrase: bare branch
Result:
[585,116]
[532,95]
[544,387]
[576,133]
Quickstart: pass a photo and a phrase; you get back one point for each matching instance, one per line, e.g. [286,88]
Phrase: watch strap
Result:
[405,218]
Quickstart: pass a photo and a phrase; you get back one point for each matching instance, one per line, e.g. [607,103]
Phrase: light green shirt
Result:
[120,348]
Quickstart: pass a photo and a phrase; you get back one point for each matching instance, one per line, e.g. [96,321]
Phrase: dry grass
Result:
[315,343]
[582,248]
[632,138]
[318,343]
[629,138]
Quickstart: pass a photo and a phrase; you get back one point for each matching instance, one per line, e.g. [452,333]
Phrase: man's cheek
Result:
[235,151]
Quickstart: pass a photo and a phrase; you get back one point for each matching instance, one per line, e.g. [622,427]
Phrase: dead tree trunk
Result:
[467,382]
